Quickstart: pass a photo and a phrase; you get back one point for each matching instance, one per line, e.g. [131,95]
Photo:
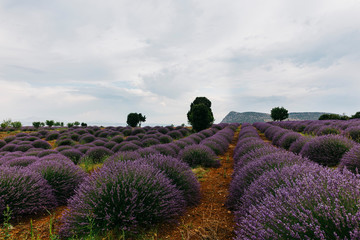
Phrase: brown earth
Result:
[208,220]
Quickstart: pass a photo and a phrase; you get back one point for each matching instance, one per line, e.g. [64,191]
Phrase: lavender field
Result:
[290,180]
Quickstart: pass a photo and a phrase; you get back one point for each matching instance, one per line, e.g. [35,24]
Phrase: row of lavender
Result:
[75,143]
[328,150]
[133,196]
[276,194]
[128,192]
[348,128]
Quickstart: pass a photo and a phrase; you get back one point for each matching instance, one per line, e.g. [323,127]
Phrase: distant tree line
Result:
[332,116]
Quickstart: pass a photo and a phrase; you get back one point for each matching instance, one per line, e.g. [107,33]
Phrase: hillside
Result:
[252,117]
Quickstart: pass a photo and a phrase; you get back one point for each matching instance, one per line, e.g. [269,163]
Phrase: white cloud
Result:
[110,58]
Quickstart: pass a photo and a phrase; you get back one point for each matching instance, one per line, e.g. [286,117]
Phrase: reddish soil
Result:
[209,220]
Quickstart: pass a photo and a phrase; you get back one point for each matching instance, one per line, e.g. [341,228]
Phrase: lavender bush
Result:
[199,155]
[25,191]
[351,160]
[98,154]
[125,196]
[327,150]
[250,172]
[62,176]
[319,206]
[180,174]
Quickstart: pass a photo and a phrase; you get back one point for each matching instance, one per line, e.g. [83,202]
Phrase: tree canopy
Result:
[200,115]
[135,119]
[279,113]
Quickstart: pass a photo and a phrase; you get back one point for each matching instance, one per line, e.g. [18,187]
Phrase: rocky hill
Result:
[252,117]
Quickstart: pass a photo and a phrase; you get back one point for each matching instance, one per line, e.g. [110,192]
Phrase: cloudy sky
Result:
[96,61]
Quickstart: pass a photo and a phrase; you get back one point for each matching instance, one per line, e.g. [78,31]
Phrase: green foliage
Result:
[50,123]
[16,125]
[332,116]
[6,123]
[200,115]
[356,115]
[135,119]
[6,224]
[76,123]
[36,124]
[279,113]
[70,125]
[84,124]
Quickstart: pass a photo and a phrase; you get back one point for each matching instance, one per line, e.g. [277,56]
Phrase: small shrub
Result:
[327,150]
[351,160]
[41,144]
[117,139]
[65,142]
[46,153]
[23,148]
[25,191]
[21,161]
[287,139]
[165,139]
[131,195]
[297,146]
[150,141]
[98,154]
[52,136]
[180,174]
[353,133]
[73,154]
[110,144]
[165,149]
[199,155]
[87,138]
[63,177]
[8,147]
[2,143]
[175,134]
[9,139]
[122,156]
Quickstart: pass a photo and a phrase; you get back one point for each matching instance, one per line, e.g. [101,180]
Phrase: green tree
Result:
[356,115]
[36,124]
[6,123]
[16,125]
[50,123]
[200,115]
[135,119]
[279,113]
[141,119]
[76,123]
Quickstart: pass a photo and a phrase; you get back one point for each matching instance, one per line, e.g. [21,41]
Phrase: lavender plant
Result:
[62,176]
[25,191]
[199,155]
[126,196]
[319,206]
[327,150]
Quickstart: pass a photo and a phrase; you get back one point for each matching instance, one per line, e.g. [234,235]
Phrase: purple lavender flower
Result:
[250,172]
[324,205]
[327,150]
[25,191]
[126,196]
[180,174]
[63,177]
[196,155]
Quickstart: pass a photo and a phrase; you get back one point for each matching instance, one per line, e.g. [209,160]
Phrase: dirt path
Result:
[210,219]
